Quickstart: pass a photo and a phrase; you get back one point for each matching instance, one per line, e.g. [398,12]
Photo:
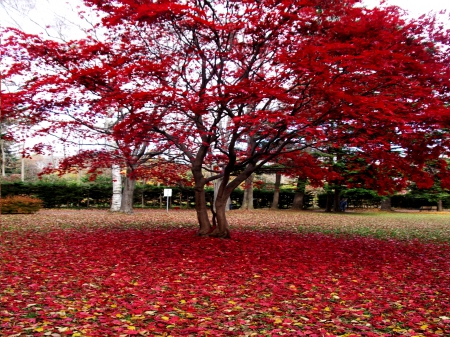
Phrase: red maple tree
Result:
[77,96]
[233,85]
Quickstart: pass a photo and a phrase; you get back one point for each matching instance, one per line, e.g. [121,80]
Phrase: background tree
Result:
[432,191]
[247,200]
[73,98]
[307,168]
[9,159]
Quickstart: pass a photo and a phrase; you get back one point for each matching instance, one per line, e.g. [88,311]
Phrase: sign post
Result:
[167,194]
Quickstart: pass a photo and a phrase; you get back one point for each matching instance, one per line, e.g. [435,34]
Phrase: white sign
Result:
[167,192]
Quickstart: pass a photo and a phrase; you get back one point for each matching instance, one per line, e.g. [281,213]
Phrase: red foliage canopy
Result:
[294,75]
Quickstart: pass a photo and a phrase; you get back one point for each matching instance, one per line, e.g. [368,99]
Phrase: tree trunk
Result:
[22,166]
[199,190]
[386,204]
[276,192]
[299,196]
[117,188]
[440,208]
[329,201]
[222,230]
[2,145]
[226,188]
[126,205]
[247,201]
[337,200]
[200,200]
[202,210]
[217,184]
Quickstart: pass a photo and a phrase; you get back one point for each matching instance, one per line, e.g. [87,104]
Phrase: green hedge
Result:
[183,197]
[359,198]
[411,201]
[62,194]
[92,194]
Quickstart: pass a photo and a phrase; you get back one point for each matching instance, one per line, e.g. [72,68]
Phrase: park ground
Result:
[93,273]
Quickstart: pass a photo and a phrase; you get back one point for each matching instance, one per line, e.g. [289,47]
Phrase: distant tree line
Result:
[98,194]
[364,198]
[69,194]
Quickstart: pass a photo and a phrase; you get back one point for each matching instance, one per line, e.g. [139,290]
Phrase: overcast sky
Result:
[41,13]
[36,16]
[416,7]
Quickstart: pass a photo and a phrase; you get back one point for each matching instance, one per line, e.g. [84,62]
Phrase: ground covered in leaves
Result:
[90,273]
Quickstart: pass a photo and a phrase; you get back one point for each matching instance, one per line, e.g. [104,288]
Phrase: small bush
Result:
[20,204]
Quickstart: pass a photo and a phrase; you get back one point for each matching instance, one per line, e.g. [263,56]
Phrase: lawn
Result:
[91,273]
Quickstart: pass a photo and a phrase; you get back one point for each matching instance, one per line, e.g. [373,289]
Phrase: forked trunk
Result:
[127,195]
[117,188]
[276,193]
[222,230]
[217,184]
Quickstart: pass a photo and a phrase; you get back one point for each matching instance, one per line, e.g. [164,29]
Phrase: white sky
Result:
[416,7]
[34,15]
[57,18]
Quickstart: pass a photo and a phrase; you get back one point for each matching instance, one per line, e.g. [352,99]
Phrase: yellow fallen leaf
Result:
[278,321]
